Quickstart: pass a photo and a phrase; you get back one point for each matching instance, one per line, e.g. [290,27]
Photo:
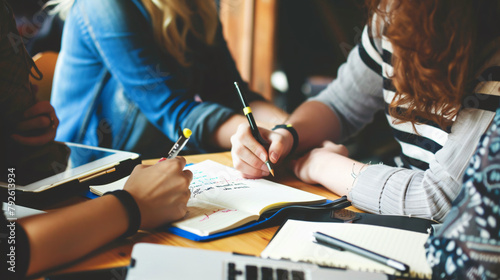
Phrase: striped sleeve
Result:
[357,80]
[383,189]
[369,52]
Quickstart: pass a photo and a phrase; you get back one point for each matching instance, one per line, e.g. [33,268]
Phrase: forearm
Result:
[222,135]
[267,115]
[314,122]
[337,173]
[73,232]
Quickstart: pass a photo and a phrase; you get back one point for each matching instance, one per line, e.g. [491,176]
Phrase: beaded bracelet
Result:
[133,212]
[295,136]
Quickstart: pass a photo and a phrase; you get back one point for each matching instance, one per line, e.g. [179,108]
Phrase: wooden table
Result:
[118,252]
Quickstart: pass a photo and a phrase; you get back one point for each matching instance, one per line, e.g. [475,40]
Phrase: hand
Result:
[308,168]
[249,156]
[39,125]
[161,191]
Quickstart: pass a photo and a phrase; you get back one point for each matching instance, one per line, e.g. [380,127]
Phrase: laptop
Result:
[153,261]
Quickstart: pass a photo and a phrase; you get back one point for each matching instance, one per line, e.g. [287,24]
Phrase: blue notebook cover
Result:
[269,219]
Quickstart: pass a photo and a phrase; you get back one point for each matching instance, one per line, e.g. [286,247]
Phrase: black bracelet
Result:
[292,130]
[133,212]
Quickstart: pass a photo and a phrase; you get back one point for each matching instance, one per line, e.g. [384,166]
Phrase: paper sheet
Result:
[295,241]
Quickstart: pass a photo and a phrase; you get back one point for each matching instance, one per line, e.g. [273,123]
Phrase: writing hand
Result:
[39,125]
[161,191]
[249,156]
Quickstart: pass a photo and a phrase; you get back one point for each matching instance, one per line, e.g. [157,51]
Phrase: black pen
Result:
[177,147]
[253,126]
[338,244]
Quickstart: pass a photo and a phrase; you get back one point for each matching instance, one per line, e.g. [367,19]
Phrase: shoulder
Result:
[126,10]
[111,16]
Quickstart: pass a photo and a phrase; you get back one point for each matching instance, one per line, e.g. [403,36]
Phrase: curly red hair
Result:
[434,42]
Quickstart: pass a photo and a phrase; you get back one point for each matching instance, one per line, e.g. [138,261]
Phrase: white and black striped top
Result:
[418,149]
[433,159]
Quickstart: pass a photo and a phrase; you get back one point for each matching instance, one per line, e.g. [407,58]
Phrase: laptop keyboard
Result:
[246,271]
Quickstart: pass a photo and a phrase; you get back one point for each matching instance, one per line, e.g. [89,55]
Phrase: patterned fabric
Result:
[467,246]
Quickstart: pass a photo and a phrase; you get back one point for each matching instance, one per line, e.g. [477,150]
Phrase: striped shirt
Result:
[418,145]
[433,159]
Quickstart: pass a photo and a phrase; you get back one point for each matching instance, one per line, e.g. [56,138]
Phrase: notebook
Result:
[153,261]
[294,241]
[221,200]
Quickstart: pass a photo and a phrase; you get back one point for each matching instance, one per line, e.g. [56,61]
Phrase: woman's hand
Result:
[161,191]
[39,125]
[249,156]
[311,167]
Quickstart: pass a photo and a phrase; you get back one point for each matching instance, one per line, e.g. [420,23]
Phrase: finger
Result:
[40,108]
[277,148]
[250,171]
[38,140]
[188,174]
[281,144]
[38,122]
[247,156]
[182,160]
[244,137]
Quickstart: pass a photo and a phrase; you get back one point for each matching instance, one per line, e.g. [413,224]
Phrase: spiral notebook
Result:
[294,241]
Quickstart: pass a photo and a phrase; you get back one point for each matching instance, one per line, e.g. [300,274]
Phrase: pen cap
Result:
[187,132]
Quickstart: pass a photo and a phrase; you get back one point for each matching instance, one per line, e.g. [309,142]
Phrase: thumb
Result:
[277,147]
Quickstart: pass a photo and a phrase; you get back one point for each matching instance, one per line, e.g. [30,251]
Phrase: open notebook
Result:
[221,199]
[294,241]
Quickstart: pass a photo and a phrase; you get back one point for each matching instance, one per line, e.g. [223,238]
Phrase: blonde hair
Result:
[172,21]
[60,7]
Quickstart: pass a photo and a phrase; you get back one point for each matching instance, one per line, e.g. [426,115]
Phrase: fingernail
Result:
[265,173]
[264,168]
[274,157]
[263,157]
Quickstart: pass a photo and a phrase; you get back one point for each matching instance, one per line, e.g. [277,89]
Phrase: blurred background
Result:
[287,50]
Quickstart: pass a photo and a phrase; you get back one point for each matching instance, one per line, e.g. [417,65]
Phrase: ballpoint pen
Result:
[253,126]
[179,144]
[341,245]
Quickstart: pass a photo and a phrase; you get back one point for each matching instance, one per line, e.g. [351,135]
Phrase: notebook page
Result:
[295,241]
[113,186]
[220,184]
[205,218]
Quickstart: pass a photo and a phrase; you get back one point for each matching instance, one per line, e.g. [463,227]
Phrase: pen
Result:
[177,147]
[338,244]
[253,126]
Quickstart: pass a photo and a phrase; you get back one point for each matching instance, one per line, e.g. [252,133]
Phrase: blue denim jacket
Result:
[115,87]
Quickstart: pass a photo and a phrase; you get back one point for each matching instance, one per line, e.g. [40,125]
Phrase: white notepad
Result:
[295,239]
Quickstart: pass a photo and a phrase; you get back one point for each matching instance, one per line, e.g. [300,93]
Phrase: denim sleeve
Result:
[120,35]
